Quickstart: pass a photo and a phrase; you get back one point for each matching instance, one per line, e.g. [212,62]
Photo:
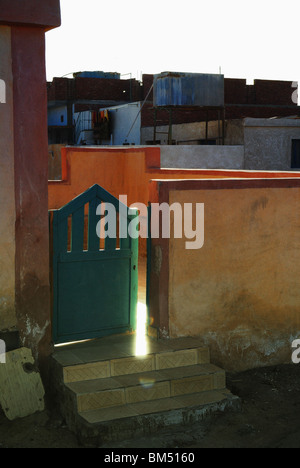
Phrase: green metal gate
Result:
[94,280]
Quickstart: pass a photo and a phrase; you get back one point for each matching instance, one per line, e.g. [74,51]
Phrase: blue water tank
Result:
[188,89]
[98,74]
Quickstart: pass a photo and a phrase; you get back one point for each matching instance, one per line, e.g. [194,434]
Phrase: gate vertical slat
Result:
[93,239]
[134,243]
[77,230]
[148,256]
[62,229]
[125,243]
[110,243]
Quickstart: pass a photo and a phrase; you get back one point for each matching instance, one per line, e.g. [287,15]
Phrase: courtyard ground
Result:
[269,418]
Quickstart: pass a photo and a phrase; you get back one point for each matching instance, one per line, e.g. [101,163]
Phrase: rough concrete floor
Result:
[269,418]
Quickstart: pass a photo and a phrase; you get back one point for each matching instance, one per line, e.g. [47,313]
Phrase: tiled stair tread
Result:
[116,348]
[105,382]
[142,379]
[154,406]
[135,364]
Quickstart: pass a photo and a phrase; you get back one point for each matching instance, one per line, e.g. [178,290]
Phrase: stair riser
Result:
[156,391]
[172,384]
[134,365]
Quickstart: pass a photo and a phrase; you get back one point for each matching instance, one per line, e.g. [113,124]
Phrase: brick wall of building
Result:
[94,89]
[263,99]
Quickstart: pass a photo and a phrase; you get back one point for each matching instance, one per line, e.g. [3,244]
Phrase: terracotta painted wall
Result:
[240,292]
[126,170]
[120,171]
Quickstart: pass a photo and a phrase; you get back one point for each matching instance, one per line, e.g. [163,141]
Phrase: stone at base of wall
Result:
[21,389]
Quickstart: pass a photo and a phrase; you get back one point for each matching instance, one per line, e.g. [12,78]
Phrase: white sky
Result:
[247,39]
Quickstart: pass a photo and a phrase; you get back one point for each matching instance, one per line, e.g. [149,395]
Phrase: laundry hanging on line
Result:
[100,117]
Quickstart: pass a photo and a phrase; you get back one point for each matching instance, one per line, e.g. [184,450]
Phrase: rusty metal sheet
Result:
[188,89]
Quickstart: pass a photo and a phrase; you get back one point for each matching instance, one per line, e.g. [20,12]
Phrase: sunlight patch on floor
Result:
[141,330]
[60,345]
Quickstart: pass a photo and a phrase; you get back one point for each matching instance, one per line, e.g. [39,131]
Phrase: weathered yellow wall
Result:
[7,190]
[240,292]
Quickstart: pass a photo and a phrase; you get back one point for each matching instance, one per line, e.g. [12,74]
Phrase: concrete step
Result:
[106,392]
[147,386]
[111,359]
[156,407]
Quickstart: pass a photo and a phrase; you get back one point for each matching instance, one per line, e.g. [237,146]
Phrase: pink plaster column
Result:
[23,25]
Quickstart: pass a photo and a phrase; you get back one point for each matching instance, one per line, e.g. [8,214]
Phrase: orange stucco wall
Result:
[239,292]
[125,171]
